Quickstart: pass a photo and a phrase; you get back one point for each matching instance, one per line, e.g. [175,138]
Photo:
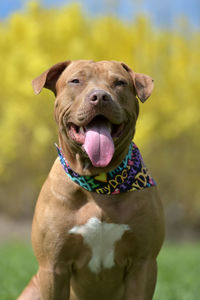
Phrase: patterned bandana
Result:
[129,176]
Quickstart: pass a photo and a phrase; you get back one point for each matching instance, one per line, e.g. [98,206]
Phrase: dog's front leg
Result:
[140,281]
[53,284]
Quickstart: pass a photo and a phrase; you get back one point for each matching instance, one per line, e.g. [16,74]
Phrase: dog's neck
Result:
[130,175]
[80,163]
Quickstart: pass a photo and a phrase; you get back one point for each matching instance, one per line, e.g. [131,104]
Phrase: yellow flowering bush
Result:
[168,128]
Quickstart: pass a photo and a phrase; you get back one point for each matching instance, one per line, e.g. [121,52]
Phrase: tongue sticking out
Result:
[99,144]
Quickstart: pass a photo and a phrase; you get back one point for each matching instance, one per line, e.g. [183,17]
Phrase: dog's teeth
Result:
[86,165]
[109,127]
[81,130]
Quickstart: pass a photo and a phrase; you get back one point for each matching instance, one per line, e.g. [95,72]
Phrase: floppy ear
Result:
[143,83]
[48,78]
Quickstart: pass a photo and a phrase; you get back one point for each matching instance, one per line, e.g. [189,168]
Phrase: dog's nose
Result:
[98,96]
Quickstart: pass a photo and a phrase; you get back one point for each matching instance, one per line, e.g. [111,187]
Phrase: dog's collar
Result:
[129,176]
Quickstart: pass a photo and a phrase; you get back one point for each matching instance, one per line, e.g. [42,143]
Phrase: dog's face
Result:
[96,107]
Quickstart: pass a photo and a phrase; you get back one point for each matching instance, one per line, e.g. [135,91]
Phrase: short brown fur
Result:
[63,272]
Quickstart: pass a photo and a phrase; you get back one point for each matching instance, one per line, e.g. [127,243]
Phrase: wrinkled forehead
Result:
[91,68]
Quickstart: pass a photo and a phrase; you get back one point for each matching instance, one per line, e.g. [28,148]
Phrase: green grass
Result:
[178,277]
[17,265]
[179,273]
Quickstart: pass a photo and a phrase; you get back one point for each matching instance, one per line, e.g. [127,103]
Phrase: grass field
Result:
[178,278]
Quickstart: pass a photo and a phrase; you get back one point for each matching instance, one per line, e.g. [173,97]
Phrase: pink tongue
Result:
[99,144]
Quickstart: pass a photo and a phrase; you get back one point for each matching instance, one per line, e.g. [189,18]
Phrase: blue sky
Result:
[162,12]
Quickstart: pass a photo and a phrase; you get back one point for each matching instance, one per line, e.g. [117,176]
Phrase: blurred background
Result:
[159,38]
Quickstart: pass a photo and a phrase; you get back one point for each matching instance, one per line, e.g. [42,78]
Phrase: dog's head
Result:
[96,109]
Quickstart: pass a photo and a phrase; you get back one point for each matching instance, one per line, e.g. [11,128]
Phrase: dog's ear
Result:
[143,84]
[49,77]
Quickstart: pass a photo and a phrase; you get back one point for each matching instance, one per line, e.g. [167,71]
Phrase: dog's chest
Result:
[101,238]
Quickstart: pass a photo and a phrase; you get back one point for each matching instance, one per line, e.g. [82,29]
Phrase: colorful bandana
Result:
[129,176]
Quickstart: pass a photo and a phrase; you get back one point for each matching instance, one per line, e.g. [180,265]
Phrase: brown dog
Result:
[96,241]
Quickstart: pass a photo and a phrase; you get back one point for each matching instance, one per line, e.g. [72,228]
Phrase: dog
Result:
[98,224]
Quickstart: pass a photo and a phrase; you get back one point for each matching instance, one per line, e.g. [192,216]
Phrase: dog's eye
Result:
[120,82]
[75,80]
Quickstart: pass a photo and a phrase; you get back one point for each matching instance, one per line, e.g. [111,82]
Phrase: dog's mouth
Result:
[97,138]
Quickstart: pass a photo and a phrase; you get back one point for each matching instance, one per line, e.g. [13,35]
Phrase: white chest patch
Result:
[101,238]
